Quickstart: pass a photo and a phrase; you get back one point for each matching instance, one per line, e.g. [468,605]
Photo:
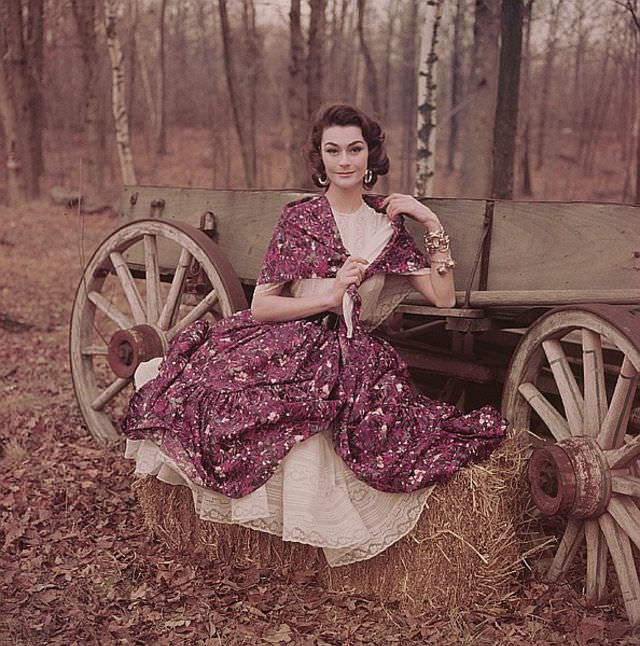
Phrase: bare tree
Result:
[297,111]
[480,104]
[35,56]
[131,82]
[161,145]
[526,166]
[252,58]
[84,13]
[16,192]
[234,97]
[370,66]
[409,97]
[21,89]
[120,118]
[427,94]
[506,122]
[392,19]
[315,56]
[551,46]
[634,11]
[456,78]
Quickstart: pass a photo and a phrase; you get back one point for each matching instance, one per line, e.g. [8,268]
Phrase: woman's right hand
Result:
[351,273]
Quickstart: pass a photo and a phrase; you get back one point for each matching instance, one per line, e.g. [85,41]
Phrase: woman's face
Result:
[345,155]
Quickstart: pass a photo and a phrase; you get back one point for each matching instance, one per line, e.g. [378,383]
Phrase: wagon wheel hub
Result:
[127,349]
[571,477]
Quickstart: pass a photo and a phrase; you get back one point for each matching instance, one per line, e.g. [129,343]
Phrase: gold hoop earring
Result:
[323,180]
[368,177]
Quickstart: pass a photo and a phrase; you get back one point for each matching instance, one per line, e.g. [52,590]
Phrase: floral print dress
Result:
[251,415]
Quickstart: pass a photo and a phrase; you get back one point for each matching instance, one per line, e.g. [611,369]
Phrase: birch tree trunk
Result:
[370,67]
[296,106]
[315,56]
[506,122]
[232,86]
[120,118]
[427,99]
[161,146]
[479,112]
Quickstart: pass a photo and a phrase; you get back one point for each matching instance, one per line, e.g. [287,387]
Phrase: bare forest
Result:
[219,94]
[509,99]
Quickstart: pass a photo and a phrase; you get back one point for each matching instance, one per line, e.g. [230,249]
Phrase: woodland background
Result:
[220,93]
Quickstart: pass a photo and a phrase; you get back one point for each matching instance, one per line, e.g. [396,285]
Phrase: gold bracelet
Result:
[437,241]
[443,266]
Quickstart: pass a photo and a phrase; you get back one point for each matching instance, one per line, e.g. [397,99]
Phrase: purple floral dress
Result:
[235,397]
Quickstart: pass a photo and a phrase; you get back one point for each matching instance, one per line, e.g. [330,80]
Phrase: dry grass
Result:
[466,550]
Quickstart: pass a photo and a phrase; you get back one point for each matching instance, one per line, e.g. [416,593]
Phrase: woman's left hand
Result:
[397,204]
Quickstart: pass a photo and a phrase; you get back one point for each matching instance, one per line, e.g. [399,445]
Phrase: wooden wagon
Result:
[548,308]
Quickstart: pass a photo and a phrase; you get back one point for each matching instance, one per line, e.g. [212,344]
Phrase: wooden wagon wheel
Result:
[144,284]
[590,474]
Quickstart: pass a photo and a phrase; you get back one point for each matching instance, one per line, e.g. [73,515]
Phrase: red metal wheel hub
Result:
[571,477]
[127,349]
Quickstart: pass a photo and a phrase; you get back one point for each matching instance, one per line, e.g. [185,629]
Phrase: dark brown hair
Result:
[346,115]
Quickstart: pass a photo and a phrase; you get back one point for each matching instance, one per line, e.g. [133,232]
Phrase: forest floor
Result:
[78,566]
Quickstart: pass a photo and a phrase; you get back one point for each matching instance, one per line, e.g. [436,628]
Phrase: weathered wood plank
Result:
[564,246]
[537,247]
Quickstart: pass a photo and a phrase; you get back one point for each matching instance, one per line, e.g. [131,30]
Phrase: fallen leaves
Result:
[77,564]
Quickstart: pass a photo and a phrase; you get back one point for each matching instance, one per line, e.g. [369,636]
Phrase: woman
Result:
[290,417]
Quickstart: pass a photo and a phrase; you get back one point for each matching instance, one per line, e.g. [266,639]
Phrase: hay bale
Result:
[465,550]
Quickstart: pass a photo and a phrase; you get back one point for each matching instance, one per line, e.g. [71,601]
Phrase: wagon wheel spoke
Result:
[571,541]
[152,278]
[622,557]
[109,393]
[95,350]
[547,412]
[596,562]
[626,485]
[617,417]
[595,394]
[197,312]
[110,310]
[175,291]
[625,455]
[625,512]
[567,386]
[128,287]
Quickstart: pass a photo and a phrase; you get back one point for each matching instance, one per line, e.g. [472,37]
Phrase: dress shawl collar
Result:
[306,244]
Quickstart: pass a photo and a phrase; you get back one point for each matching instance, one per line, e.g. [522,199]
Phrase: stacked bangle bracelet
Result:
[439,242]
[436,241]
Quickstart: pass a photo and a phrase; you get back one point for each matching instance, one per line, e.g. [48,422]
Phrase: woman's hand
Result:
[351,273]
[397,204]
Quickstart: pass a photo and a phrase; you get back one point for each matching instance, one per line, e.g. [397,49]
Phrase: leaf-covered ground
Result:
[77,565]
